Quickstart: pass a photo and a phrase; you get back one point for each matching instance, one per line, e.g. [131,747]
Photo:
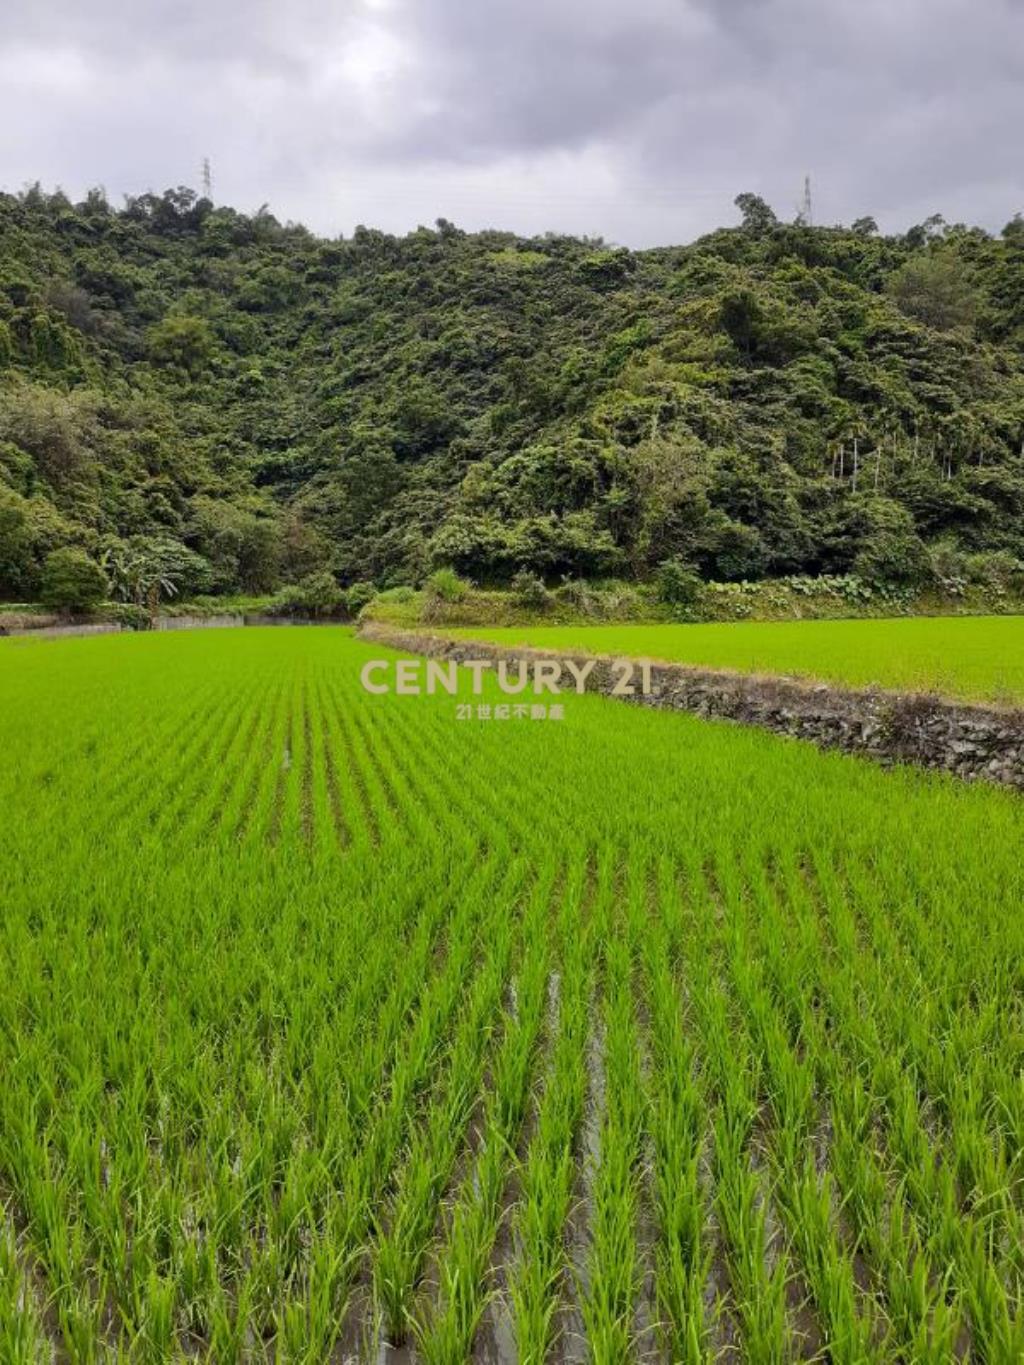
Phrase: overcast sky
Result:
[637,120]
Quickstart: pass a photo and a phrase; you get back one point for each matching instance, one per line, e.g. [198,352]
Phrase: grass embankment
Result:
[977,658]
[623,603]
[322,1010]
[576,602]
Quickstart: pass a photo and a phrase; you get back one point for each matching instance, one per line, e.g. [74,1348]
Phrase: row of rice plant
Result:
[331,1024]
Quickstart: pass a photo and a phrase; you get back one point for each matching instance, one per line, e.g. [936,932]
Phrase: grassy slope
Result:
[976,657]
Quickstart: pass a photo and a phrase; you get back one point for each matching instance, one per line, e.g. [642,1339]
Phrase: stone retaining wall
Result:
[972,741]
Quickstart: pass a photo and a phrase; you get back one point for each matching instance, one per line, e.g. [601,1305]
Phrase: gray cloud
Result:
[637,120]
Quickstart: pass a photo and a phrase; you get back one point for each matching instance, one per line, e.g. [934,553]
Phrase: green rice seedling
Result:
[229,1324]
[608,1297]
[308,1326]
[676,1120]
[401,1250]
[970,656]
[804,1197]
[256,1022]
[22,1339]
[446,1330]
[156,1340]
[780,1023]
[759,1291]
[945,1234]
[917,1301]
[758,1279]
[547,1176]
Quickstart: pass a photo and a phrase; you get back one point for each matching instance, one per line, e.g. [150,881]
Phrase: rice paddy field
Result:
[333,1027]
[980,658]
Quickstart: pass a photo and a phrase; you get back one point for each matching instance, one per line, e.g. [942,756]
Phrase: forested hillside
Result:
[240,403]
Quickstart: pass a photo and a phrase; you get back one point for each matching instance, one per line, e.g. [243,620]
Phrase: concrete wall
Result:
[224,621]
[58,632]
[197,622]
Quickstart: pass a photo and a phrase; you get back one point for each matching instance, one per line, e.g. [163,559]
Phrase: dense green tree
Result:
[758,218]
[17,575]
[242,548]
[145,570]
[316,595]
[280,406]
[71,581]
[58,430]
[934,289]
[891,550]
[184,342]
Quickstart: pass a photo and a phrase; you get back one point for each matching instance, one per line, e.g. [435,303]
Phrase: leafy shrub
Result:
[445,585]
[998,570]
[18,567]
[236,604]
[148,569]
[731,600]
[317,594]
[607,267]
[949,568]
[609,599]
[616,601]
[893,559]
[128,615]
[529,591]
[679,584]
[71,581]
[737,551]
[846,586]
[186,343]
[402,593]
[358,596]
[577,593]
[892,553]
